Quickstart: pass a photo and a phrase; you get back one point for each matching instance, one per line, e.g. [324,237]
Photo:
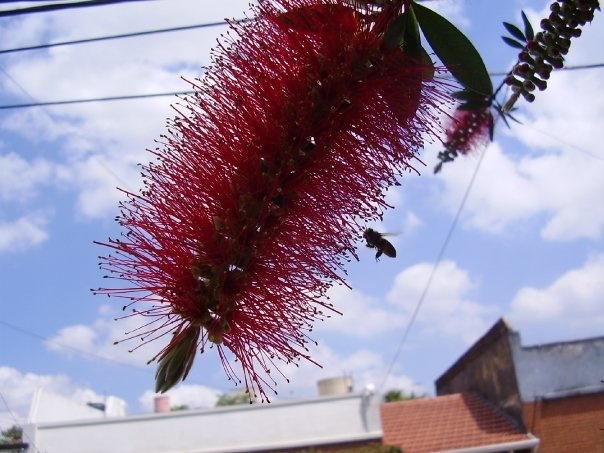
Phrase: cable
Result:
[60,6]
[109,37]
[177,93]
[101,99]
[564,142]
[14,417]
[565,68]
[439,258]
[79,351]
[48,114]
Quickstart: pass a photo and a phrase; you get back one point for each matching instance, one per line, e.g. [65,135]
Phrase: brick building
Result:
[553,391]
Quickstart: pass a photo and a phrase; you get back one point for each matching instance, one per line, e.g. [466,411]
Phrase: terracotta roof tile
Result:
[447,422]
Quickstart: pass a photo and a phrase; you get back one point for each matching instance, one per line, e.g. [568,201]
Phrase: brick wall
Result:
[488,369]
[570,424]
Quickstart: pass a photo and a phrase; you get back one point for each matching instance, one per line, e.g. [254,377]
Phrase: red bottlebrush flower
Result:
[256,199]
[469,130]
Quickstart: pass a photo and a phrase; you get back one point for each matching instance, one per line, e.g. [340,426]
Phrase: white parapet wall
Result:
[47,407]
[244,428]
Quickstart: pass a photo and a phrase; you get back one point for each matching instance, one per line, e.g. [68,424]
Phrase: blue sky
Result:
[528,244]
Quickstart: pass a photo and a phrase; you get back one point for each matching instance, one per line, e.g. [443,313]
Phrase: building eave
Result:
[530,443]
[318,442]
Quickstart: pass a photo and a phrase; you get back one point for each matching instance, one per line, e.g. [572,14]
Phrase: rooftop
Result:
[281,425]
[458,422]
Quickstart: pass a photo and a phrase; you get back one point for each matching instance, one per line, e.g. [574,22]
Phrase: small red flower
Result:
[469,130]
[256,198]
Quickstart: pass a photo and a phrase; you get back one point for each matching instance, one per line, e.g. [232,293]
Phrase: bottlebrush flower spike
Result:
[257,195]
[467,131]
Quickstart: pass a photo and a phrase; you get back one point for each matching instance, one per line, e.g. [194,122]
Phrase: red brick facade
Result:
[570,424]
[552,390]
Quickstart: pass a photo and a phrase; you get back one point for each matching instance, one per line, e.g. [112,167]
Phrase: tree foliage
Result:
[12,435]
[398,395]
[233,399]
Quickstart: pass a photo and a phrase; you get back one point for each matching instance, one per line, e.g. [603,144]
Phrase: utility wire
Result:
[177,93]
[71,348]
[59,6]
[50,116]
[14,417]
[564,142]
[100,99]
[439,258]
[110,37]
[564,68]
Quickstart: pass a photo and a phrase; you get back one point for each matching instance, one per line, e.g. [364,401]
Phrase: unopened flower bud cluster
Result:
[546,51]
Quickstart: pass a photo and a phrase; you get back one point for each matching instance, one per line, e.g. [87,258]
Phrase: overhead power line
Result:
[83,352]
[59,6]
[176,93]
[109,37]
[100,99]
[439,258]
[565,68]
[16,421]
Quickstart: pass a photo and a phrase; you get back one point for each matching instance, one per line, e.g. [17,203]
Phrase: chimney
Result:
[161,404]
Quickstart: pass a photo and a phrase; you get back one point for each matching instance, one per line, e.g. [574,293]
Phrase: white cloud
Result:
[97,178]
[447,312]
[98,145]
[401,221]
[508,191]
[411,223]
[20,179]
[78,337]
[365,366]
[571,303]
[557,180]
[18,389]
[97,340]
[362,315]
[489,207]
[453,11]
[568,180]
[24,233]
[193,396]
[94,176]
[446,309]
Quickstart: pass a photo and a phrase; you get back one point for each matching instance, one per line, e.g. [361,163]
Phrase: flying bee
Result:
[375,240]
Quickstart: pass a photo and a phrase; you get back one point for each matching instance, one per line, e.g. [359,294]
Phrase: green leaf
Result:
[512,42]
[514,31]
[505,120]
[466,95]
[395,32]
[528,28]
[473,105]
[516,120]
[427,61]
[456,51]
[176,362]
[412,45]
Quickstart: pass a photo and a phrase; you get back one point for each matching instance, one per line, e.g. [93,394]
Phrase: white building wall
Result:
[242,428]
[49,407]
